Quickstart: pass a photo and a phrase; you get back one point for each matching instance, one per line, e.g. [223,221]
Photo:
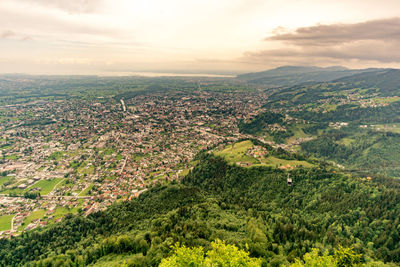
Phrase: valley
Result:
[278,172]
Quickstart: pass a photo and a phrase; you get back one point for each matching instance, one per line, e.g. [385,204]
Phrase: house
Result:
[22,186]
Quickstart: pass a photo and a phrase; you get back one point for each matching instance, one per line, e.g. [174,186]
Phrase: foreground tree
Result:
[342,257]
[221,254]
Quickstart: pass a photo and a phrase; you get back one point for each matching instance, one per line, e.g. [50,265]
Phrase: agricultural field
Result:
[14,191]
[86,190]
[61,212]
[4,179]
[392,127]
[386,100]
[44,186]
[37,214]
[65,182]
[5,222]
[237,153]
[277,162]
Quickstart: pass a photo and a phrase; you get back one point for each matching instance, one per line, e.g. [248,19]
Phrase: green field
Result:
[237,153]
[183,173]
[107,151]
[45,185]
[37,214]
[14,191]
[63,183]
[5,222]
[56,155]
[137,156]
[12,157]
[85,169]
[329,107]
[61,212]
[86,190]
[392,127]
[118,157]
[386,100]
[346,141]
[298,132]
[4,180]
[273,162]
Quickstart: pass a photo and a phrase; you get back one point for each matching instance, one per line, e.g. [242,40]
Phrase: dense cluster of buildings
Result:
[86,154]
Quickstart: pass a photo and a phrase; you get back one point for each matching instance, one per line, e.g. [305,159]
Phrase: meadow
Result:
[5,222]
[236,154]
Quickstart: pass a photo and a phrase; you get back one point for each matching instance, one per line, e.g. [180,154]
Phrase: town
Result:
[79,156]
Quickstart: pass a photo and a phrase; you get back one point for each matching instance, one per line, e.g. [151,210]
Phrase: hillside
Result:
[379,86]
[294,75]
[254,206]
[353,121]
[387,81]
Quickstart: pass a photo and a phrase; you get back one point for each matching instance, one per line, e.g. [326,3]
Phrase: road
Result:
[12,222]
[123,166]
[55,187]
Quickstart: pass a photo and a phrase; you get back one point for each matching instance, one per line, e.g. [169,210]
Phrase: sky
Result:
[120,37]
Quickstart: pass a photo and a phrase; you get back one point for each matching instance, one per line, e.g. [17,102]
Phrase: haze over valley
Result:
[186,133]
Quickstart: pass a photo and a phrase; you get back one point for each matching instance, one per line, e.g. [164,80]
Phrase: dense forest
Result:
[368,150]
[262,123]
[355,114]
[253,209]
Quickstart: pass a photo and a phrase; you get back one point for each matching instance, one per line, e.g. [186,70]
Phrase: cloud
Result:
[35,20]
[6,34]
[384,30]
[375,40]
[27,38]
[70,6]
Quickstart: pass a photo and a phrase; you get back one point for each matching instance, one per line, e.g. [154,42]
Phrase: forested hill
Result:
[386,80]
[372,85]
[253,208]
[353,121]
[295,75]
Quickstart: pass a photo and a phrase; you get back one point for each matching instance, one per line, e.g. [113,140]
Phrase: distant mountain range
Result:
[294,75]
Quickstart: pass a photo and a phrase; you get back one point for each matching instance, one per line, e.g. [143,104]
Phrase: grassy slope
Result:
[86,190]
[46,186]
[5,222]
[4,180]
[37,214]
[274,161]
[236,153]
